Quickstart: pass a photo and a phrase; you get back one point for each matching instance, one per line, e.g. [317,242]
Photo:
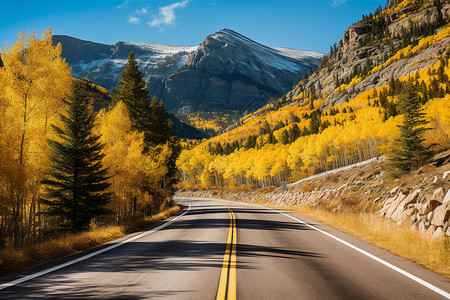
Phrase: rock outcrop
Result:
[355,54]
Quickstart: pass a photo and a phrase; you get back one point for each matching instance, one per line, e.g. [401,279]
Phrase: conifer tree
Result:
[147,115]
[410,151]
[76,182]
[284,139]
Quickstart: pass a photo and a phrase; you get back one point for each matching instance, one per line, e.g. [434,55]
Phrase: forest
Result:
[290,139]
[72,156]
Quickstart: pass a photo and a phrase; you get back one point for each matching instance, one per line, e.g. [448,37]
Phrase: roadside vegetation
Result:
[14,261]
[75,158]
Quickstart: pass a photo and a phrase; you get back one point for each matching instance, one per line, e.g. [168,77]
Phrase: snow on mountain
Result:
[280,58]
[226,70]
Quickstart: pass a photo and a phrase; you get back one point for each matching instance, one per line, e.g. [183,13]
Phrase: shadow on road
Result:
[147,256]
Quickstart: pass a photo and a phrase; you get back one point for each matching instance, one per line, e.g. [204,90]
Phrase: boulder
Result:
[392,207]
[447,197]
[422,227]
[395,190]
[411,198]
[441,215]
[438,233]
[428,207]
[431,229]
[439,194]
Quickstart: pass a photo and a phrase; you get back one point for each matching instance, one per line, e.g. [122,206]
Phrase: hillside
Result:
[228,71]
[326,123]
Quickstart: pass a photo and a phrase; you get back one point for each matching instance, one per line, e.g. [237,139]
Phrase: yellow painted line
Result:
[232,280]
[227,283]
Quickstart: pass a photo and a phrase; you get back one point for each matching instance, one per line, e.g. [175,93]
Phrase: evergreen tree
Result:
[314,125]
[76,182]
[294,133]
[410,152]
[284,138]
[147,115]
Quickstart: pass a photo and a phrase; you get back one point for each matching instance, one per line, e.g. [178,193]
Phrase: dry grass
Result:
[402,240]
[13,261]
[137,224]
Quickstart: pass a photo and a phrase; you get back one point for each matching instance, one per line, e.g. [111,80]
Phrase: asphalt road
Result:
[247,252]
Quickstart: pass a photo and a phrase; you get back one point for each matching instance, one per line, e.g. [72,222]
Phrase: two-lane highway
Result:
[226,250]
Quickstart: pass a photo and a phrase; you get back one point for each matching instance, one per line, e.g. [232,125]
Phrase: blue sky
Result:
[302,24]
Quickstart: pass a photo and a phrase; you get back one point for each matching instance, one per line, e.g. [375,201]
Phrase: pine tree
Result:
[410,152]
[76,182]
[294,133]
[147,115]
[284,138]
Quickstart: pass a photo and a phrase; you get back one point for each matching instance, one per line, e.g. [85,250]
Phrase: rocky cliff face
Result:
[226,71]
[231,71]
[364,45]
[102,64]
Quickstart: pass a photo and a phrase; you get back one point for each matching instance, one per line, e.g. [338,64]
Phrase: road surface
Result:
[225,250]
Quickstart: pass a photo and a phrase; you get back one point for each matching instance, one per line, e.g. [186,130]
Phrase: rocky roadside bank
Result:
[421,198]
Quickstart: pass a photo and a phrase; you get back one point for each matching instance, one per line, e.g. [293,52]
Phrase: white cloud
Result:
[134,20]
[337,3]
[166,14]
[123,5]
[142,11]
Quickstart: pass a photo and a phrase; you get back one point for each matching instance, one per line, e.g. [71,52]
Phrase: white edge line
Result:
[52,269]
[381,261]
[409,275]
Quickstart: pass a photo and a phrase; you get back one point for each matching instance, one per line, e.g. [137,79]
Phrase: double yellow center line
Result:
[227,284]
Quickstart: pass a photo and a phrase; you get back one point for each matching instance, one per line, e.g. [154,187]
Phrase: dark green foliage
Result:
[147,115]
[76,182]
[272,139]
[294,133]
[1,63]
[251,142]
[314,125]
[410,152]
[186,131]
[284,138]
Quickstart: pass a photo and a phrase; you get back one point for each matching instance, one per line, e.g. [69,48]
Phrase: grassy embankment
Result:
[402,240]
[14,261]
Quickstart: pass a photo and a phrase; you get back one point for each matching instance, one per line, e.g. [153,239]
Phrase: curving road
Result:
[226,250]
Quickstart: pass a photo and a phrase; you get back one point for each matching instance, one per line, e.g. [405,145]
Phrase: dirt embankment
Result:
[420,198]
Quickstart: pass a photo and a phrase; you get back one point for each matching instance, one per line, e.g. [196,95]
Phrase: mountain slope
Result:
[102,64]
[346,111]
[231,71]
[227,70]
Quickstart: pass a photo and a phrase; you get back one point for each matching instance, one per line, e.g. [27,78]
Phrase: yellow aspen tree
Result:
[35,78]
